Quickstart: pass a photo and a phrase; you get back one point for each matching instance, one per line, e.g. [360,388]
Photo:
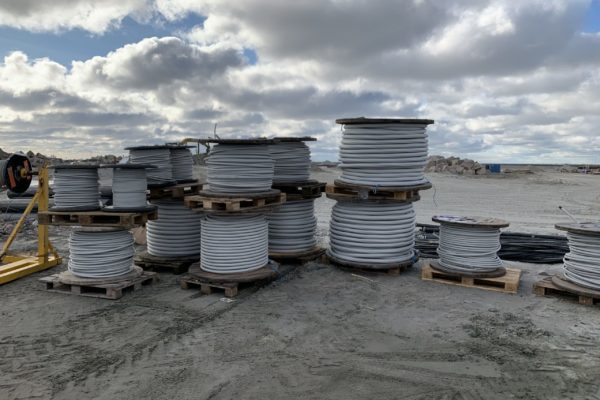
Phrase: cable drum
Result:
[292,227]
[469,249]
[234,243]
[129,188]
[582,263]
[176,232]
[158,156]
[372,233]
[182,164]
[239,168]
[384,154]
[292,161]
[76,188]
[100,254]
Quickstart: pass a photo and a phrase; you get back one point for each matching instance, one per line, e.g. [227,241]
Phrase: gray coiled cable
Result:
[469,249]
[239,168]
[292,161]
[161,158]
[372,233]
[582,263]
[100,254]
[234,243]
[384,154]
[76,188]
[129,188]
[176,232]
[182,164]
[292,227]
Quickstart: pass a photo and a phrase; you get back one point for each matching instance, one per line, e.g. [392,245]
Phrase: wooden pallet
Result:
[201,203]
[175,265]
[178,191]
[335,192]
[546,287]
[96,218]
[508,283]
[111,291]
[301,190]
[229,283]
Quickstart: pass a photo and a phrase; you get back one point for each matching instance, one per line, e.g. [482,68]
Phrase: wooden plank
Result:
[336,192]
[202,203]
[508,283]
[178,191]
[175,265]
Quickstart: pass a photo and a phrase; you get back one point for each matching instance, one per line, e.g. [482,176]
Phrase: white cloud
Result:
[502,79]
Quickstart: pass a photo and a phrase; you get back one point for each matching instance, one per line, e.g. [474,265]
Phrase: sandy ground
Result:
[319,332]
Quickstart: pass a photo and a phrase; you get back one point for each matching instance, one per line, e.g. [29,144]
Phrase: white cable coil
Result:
[384,154]
[292,161]
[129,188]
[292,227]
[176,232]
[239,168]
[182,164]
[372,233]
[100,254]
[469,249]
[160,158]
[234,243]
[582,263]
[76,188]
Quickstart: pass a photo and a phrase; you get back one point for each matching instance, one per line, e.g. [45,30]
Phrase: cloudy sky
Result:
[505,80]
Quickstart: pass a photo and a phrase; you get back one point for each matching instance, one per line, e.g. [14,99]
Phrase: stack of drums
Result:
[234,242]
[97,255]
[373,222]
[175,235]
[292,226]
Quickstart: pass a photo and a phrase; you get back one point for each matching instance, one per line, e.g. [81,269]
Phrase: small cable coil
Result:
[129,188]
[372,233]
[292,227]
[176,232]
[76,188]
[469,249]
[234,243]
[100,254]
[582,262]
[384,154]
[182,163]
[239,168]
[292,161]
[159,157]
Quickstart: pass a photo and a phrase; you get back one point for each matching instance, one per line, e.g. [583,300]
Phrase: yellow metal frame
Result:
[13,266]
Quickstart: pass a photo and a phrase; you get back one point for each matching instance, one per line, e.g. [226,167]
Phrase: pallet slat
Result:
[301,190]
[508,283]
[112,291]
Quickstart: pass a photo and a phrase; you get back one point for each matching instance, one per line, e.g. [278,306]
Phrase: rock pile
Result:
[454,165]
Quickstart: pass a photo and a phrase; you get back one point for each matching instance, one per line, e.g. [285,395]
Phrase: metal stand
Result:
[13,266]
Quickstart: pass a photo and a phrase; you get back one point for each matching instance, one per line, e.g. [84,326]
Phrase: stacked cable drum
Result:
[292,226]
[101,246]
[159,156]
[468,246]
[129,187]
[581,269]
[373,222]
[182,164]
[234,232]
